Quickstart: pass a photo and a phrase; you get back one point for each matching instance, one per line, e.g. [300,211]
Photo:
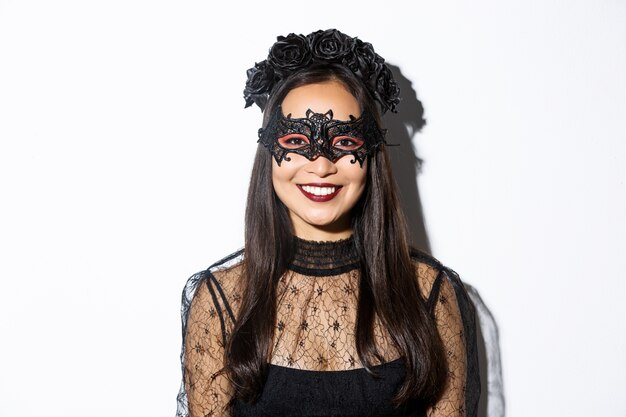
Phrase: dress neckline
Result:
[324,258]
[390,364]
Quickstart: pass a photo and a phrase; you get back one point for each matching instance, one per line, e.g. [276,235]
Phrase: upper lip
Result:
[320,184]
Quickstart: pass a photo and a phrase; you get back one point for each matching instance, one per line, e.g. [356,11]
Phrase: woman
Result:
[326,310]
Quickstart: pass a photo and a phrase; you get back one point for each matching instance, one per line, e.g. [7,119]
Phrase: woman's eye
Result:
[293,141]
[347,143]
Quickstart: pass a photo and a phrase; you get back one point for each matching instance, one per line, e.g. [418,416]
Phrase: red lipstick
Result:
[309,189]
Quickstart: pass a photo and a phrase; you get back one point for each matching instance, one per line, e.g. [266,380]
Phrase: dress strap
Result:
[434,293]
[213,285]
[223,297]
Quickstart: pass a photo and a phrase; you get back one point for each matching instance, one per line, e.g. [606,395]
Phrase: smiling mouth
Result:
[319,192]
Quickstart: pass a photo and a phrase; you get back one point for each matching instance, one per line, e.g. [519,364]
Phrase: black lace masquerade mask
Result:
[318,134]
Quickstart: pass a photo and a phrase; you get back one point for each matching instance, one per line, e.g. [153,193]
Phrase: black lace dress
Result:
[315,370]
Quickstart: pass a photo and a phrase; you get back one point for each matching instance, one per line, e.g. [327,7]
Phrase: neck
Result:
[336,231]
[322,236]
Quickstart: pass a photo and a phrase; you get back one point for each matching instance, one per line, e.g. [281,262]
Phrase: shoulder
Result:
[227,271]
[436,279]
[219,283]
[428,271]
[229,264]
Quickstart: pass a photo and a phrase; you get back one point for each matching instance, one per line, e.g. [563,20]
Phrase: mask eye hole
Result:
[347,143]
[293,141]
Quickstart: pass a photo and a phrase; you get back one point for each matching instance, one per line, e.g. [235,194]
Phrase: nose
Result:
[322,167]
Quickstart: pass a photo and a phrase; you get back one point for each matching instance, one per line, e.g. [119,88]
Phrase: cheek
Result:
[282,175]
[361,181]
[287,170]
[356,174]
[278,178]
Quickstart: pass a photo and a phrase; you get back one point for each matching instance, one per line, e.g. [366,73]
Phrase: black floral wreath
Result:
[293,52]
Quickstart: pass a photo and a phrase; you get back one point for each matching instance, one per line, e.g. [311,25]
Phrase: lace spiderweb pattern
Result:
[316,313]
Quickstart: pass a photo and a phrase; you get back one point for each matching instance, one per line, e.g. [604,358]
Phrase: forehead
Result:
[321,97]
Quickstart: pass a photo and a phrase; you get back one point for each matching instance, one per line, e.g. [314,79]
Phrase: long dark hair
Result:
[388,285]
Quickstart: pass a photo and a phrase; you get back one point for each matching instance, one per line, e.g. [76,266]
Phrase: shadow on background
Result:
[401,129]
[491,402]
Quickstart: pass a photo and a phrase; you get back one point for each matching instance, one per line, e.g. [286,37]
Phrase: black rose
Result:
[387,91]
[330,45]
[259,84]
[364,62]
[293,52]
[289,53]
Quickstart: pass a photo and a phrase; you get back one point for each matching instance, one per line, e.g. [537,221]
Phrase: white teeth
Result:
[319,190]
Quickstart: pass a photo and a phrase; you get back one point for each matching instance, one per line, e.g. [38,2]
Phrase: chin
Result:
[321,222]
[326,222]
[320,217]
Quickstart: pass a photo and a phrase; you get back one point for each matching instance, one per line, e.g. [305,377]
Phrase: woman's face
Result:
[319,193]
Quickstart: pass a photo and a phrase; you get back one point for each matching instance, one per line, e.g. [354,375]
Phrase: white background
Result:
[126,151]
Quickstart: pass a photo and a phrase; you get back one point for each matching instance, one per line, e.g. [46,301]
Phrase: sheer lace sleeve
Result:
[455,320]
[206,390]
[450,327]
